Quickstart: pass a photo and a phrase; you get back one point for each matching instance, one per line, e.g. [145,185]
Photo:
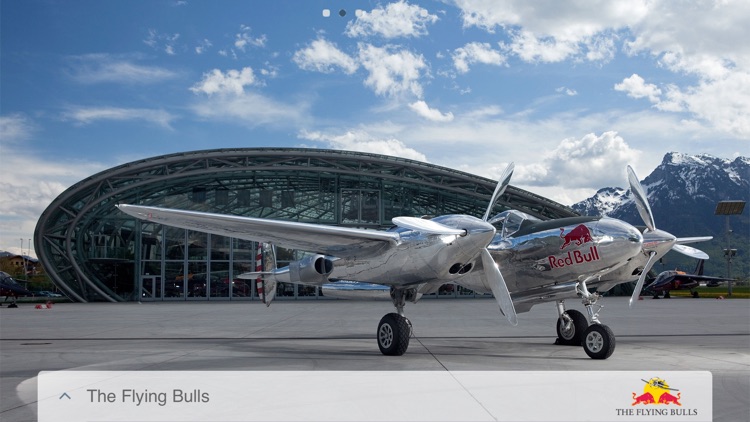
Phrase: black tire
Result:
[666,295]
[598,341]
[393,334]
[574,336]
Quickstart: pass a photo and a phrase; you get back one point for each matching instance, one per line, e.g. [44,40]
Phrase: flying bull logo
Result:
[578,236]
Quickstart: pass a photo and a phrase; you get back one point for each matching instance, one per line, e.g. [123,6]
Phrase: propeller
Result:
[493,276]
[498,286]
[639,285]
[655,237]
[499,189]
[641,201]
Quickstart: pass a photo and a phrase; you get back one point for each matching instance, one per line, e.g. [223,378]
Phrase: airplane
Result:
[521,260]
[670,280]
[9,287]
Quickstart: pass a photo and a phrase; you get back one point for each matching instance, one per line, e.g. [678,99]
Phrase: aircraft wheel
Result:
[695,295]
[666,295]
[598,341]
[393,334]
[573,335]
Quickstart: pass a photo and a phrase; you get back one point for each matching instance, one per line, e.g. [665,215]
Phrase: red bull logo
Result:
[657,387]
[578,235]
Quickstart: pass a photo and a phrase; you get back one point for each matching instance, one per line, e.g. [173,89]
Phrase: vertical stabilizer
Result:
[265,261]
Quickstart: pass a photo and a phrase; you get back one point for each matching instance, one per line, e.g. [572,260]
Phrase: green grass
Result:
[738,292]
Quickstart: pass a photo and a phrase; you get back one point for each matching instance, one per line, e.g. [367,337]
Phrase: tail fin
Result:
[699,268]
[265,262]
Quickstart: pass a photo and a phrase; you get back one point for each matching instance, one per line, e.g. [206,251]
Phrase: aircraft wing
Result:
[342,242]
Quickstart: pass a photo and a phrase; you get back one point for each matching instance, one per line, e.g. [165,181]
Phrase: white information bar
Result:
[375,396]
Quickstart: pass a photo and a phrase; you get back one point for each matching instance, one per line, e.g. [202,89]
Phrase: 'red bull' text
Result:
[574,258]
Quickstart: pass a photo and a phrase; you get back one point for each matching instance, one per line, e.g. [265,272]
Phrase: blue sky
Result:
[571,92]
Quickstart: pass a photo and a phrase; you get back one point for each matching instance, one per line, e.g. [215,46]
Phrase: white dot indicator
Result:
[326,13]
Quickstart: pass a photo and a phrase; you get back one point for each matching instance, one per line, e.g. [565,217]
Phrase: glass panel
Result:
[197,245]
[151,241]
[243,288]
[174,280]
[197,279]
[244,250]
[360,206]
[219,280]
[220,248]
[370,207]
[349,206]
[175,243]
[150,288]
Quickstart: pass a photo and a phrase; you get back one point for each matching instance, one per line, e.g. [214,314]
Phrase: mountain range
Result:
[683,192]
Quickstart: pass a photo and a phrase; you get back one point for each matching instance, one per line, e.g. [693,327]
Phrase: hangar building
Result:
[94,252]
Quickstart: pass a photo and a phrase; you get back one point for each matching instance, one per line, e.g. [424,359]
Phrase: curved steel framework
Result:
[95,253]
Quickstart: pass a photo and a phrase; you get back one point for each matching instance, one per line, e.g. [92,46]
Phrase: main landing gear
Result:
[394,329]
[573,328]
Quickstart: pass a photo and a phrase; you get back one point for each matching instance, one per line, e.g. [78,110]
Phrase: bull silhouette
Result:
[667,398]
[579,235]
[645,398]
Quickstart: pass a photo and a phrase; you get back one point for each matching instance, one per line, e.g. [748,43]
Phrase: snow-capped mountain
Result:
[683,192]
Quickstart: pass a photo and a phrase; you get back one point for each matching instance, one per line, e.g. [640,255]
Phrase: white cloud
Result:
[475,52]
[362,141]
[422,109]
[203,46]
[399,19]
[15,128]
[250,109]
[104,68]
[164,42]
[29,184]
[217,82]
[579,163]
[557,30]
[636,87]
[392,73]
[567,91]
[87,115]
[322,56]
[243,39]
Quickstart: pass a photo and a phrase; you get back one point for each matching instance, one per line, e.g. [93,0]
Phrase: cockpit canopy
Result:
[511,221]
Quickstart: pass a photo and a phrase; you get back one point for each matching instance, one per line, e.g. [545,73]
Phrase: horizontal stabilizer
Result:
[254,275]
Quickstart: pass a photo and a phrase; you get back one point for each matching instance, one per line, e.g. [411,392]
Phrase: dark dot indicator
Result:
[342,13]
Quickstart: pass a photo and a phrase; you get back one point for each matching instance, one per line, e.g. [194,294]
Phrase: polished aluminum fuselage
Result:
[546,265]
[420,258]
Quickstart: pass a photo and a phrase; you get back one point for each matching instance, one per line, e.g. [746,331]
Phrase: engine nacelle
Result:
[313,269]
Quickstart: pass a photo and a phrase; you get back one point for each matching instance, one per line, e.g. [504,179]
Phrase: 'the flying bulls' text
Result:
[143,397]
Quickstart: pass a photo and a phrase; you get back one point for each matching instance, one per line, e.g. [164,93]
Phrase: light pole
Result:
[728,208]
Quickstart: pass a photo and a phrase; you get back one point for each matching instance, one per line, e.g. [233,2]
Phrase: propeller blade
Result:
[498,286]
[641,201]
[499,189]
[639,286]
[684,240]
[690,251]
[426,226]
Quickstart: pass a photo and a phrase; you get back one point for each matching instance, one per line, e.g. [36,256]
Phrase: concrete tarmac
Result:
[678,334]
